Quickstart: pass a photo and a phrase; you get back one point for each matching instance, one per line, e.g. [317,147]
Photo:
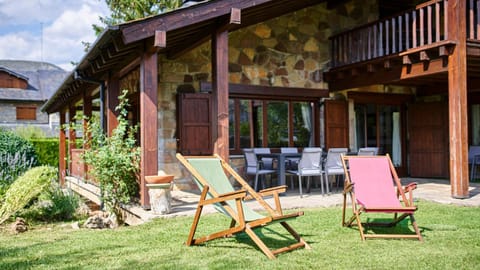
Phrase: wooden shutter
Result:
[26,113]
[336,123]
[195,124]
[428,139]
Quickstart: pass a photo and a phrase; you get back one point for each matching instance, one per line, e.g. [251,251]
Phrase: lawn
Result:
[451,241]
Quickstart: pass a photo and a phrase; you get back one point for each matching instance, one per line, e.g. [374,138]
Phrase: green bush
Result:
[115,161]
[30,132]
[53,204]
[16,156]
[46,150]
[25,189]
[11,166]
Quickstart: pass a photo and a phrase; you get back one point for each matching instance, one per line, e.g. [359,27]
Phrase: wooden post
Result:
[457,100]
[71,133]
[112,102]
[148,120]
[62,151]
[220,92]
[87,114]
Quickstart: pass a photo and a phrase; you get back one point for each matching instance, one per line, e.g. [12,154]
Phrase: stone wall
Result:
[288,51]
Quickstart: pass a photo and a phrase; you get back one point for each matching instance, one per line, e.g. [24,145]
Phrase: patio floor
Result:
[184,203]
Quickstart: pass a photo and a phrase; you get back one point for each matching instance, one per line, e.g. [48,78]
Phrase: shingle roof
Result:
[43,79]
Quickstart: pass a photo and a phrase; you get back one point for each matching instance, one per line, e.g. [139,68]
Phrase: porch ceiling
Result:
[120,46]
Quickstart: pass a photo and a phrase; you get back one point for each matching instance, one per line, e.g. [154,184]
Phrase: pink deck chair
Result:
[374,187]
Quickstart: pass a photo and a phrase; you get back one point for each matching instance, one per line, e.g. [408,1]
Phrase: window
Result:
[379,126]
[270,123]
[26,113]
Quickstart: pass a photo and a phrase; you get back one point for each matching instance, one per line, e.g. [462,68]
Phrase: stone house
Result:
[390,74]
[24,87]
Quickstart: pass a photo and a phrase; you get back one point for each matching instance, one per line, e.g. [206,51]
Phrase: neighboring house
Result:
[376,73]
[24,87]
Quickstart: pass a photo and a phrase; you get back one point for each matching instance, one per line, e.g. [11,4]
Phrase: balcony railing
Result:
[425,25]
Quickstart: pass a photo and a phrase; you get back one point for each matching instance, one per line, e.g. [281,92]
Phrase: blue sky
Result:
[64,23]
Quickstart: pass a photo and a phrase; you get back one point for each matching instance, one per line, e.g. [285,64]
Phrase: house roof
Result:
[185,29]
[43,79]
[13,73]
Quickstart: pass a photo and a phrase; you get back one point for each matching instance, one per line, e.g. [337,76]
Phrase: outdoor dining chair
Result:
[367,151]
[309,165]
[254,167]
[473,161]
[291,162]
[333,165]
[267,161]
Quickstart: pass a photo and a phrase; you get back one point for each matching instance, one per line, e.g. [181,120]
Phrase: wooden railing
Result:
[425,25]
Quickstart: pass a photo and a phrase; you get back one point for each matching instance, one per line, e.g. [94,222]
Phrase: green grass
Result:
[451,241]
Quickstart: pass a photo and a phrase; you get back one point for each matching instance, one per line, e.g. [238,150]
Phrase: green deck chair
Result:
[211,175]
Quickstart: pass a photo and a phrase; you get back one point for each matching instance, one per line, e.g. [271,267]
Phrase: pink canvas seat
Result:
[373,186]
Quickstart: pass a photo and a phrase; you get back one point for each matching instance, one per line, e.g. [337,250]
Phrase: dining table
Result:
[281,158]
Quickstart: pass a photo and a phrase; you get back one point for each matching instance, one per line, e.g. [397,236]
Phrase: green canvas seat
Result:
[211,174]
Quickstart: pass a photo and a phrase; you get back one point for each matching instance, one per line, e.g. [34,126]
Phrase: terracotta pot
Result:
[158,179]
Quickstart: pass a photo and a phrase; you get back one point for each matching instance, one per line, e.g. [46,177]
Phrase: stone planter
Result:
[159,191]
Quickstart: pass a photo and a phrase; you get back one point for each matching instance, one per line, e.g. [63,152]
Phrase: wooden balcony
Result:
[403,48]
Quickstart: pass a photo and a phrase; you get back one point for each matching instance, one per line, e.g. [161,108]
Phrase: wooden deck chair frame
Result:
[238,223]
[399,213]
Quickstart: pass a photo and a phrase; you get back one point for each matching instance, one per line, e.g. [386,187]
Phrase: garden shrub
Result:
[11,166]
[16,156]
[54,204]
[25,189]
[30,132]
[115,161]
[46,150]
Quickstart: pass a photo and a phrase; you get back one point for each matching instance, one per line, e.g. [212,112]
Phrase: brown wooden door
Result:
[195,124]
[428,139]
[336,123]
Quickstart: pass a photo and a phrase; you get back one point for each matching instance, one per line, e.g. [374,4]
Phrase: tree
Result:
[128,10]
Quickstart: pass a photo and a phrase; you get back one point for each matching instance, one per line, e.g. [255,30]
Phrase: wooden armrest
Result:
[410,187]
[348,187]
[273,190]
[267,192]
[234,195]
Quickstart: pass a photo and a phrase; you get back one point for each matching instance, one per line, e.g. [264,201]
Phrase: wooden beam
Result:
[235,16]
[424,56]
[220,92]
[457,100]
[146,28]
[397,73]
[160,39]
[87,114]
[112,93]
[71,133]
[62,151]
[204,35]
[148,120]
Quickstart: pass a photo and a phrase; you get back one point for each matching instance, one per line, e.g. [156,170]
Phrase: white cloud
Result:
[65,25]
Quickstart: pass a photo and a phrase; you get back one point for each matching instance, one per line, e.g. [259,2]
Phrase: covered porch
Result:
[432,50]
[131,56]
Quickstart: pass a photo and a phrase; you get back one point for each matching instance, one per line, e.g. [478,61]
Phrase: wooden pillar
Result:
[113,92]
[87,113]
[71,133]
[457,99]
[148,120]
[62,151]
[220,92]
